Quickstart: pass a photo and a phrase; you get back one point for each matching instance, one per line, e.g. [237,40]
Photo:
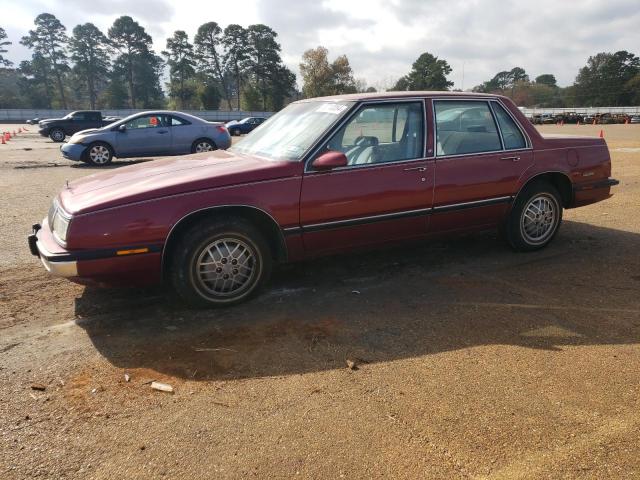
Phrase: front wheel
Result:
[220,263]
[99,154]
[57,135]
[535,217]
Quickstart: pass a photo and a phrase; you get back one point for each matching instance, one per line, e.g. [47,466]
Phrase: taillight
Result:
[221,129]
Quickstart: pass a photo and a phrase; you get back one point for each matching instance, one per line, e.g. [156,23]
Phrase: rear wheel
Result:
[535,217]
[235,132]
[203,145]
[219,263]
[57,135]
[99,154]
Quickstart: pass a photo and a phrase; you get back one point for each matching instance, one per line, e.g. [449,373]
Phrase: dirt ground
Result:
[472,361]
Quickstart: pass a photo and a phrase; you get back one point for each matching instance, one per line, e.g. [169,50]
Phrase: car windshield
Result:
[291,132]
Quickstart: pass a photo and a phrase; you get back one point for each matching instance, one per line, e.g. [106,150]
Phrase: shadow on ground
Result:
[376,307]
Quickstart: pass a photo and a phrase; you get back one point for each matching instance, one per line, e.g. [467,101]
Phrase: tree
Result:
[632,88]
[35,82]
[49,41]
[209,96]
[90,50]
[602,81]
[181,61]
[322,78]
[427,73]
[234,40]
[210,57]
[4,43]
[136,56]
[547,79]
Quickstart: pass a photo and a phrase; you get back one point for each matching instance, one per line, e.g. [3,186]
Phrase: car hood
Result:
[169,176]
[49,120]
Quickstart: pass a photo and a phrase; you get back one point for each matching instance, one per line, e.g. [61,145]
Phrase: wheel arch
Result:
[559,180]
[256,216]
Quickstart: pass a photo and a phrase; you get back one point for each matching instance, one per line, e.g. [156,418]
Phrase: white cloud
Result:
[383,37]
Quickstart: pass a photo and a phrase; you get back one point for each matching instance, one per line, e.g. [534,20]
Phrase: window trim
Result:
[308,169]
[487,100]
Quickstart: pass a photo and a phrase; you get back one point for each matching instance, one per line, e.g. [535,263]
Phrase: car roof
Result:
[357,97]
[168,112]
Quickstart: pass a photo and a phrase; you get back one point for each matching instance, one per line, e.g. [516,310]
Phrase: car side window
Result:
[146,121]
[382,133]
[464,127]
[176,122]
[511,134]
[81,117]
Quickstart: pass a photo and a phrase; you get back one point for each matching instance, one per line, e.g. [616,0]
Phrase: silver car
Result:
[147,134]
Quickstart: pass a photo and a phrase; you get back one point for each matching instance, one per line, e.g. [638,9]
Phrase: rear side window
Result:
[176,122]
[464,127]
[511,134]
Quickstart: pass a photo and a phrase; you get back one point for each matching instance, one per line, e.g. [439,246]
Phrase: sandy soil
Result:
[472,361]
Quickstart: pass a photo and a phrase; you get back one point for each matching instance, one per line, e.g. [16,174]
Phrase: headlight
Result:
[59,221]
[76,140]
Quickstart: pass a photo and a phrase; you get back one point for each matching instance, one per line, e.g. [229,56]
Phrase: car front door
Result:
[144,136]
[481,153]
[384,193]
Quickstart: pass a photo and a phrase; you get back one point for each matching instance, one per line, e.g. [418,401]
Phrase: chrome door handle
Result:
[419,169]
[513,159]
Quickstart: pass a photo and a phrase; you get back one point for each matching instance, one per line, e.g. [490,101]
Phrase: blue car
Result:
[245,125]
[146,134]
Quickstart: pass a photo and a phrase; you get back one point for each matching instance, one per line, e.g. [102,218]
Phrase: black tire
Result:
[57,135]
[535,217]
[98,154]
[235,132]
[199,145]
[204,289]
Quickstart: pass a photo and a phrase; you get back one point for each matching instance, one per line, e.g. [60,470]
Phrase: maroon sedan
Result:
[324,175]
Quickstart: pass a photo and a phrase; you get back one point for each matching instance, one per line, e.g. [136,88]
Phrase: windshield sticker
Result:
[333,108]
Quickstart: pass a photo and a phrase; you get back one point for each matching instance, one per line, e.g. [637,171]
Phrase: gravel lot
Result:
[472,361]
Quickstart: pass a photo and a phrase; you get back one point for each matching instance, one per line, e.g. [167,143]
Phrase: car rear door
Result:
[481,153]
[386,191]
[144,136]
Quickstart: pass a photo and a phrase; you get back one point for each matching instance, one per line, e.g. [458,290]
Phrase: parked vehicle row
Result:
[574,118]
[322,176]
[157,133]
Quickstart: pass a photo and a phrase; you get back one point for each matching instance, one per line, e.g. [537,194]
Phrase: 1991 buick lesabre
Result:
[322,176]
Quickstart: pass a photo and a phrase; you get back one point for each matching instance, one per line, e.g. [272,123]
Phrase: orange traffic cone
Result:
[594,121]
[19,130]
[14,133]
[601,134]
[561,122]
[3,142]
[578,123]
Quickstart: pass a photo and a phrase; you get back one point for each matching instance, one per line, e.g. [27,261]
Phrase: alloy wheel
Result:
[539,219]
[203,147]
[226,267]
[99,154]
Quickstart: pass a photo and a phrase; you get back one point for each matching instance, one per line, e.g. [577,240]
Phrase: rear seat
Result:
[455,143]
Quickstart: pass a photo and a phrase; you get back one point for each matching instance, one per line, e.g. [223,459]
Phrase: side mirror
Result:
[330,160]
[122,128]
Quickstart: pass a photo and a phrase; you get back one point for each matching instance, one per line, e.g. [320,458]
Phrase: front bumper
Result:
[44,131]
[55,264]
[73,151]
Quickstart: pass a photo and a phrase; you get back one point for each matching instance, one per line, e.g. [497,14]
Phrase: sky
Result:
[382,38]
